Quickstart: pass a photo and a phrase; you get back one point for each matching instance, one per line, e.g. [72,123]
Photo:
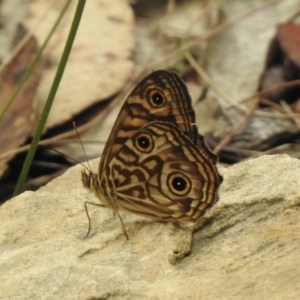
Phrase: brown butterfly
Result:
[155,163]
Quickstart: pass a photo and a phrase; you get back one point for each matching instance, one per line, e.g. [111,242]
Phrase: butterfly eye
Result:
[157,99]
[144,143]
[179,184]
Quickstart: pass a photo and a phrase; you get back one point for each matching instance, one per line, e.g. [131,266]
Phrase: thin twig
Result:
[225,141]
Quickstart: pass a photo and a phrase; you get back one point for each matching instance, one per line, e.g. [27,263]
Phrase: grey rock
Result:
[247,247]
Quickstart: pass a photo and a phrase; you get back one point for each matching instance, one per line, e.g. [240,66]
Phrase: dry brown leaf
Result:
[155,40]
[19,120]
[191,18]
[164,32]
[10,21]
[282,65]
[236,56]
[234,61]
[100,61]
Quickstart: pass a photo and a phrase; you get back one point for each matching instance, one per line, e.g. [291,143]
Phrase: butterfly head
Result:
[90,182]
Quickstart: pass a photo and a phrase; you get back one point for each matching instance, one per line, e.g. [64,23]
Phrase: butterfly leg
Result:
[115,210]
[123,226]
[87,213]
[89,218]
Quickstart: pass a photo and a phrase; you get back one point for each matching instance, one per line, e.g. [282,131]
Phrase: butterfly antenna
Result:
[78,136]
[63,154]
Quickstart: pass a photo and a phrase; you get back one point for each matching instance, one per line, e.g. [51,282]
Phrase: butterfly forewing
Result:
[161,96]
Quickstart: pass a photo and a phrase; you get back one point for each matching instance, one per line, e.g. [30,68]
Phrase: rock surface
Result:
[247,248]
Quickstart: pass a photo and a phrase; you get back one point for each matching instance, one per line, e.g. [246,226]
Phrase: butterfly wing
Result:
[160,96]
[160,173]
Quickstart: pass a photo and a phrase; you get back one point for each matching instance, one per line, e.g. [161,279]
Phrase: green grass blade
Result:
[59,73]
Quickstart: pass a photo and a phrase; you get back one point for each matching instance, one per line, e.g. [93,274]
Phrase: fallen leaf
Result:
[19,120]
[282,65]
[100,61]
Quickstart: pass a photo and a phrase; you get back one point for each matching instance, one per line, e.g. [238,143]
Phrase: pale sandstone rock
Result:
[248,247]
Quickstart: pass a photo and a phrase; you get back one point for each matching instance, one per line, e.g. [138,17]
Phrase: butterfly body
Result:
[155,163]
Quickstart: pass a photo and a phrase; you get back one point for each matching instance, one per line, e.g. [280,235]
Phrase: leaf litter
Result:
[227,41]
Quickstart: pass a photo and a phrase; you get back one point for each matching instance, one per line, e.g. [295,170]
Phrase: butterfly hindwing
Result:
[161,173]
